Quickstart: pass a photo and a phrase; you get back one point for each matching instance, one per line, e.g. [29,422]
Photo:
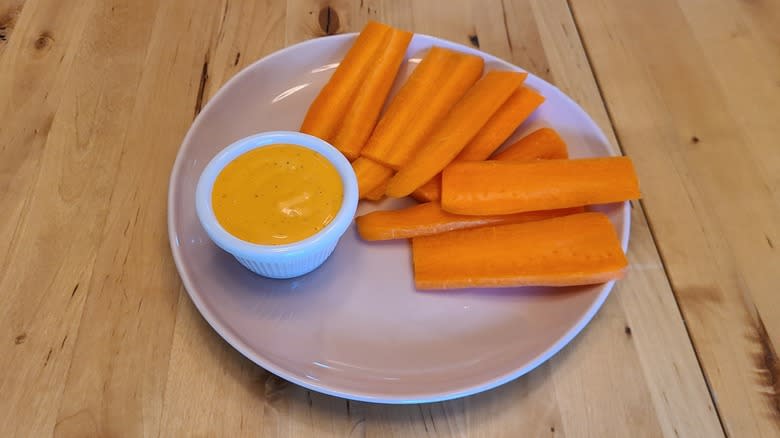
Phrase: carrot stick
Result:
[504,187]
[330,106]
[370,175]
[442,78]
[363,113]
[417,89]
[378,193]
[430,191]
[565,251]
[543,143]
[452,134]
[429,218]
[520,105]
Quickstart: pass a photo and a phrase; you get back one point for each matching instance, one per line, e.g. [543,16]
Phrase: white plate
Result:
[356,327]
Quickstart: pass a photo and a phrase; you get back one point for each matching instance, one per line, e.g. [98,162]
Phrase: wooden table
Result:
[98,338]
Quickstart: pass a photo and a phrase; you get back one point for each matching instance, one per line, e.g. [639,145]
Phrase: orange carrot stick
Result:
[378,193]
[434,86]
[520,105]
[452,134]
[370,175]
[504,187]
[330,106]
[429,218]
[363,113]
[571,250]
[543,143]
[417,89]
[430,191]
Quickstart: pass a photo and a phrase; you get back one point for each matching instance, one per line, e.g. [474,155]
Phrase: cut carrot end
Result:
[544,143]
[430,191]
[520,105]
[370,175]
[378,193]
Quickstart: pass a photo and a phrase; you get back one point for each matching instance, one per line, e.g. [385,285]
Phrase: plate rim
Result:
[233,339]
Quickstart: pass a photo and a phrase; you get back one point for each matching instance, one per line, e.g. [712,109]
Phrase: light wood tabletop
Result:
[99,338]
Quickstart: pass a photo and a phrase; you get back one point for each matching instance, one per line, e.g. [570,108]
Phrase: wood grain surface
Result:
[695,103]
[98,337]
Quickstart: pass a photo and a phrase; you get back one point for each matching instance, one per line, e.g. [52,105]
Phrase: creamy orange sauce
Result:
[277,194]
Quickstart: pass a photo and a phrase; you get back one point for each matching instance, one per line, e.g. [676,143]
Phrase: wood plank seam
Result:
[649,222]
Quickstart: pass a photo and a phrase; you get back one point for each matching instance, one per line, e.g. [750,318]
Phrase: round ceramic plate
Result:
[356,327]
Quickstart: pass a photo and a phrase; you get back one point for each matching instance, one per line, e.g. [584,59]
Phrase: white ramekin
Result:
[278,261]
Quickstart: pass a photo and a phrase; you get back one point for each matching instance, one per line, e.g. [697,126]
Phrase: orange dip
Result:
[277,194]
